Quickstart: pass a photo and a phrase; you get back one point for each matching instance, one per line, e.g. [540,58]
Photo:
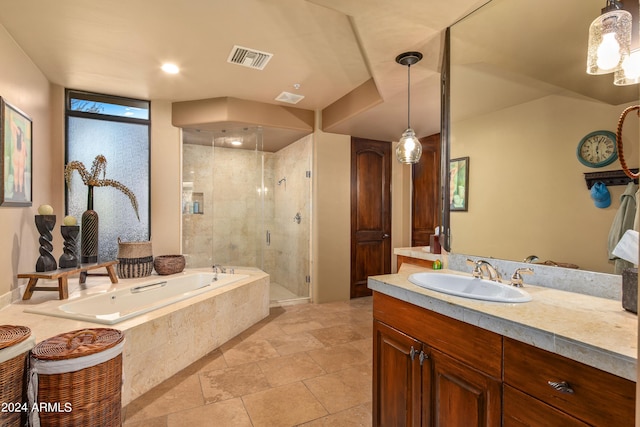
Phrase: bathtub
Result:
[123,303]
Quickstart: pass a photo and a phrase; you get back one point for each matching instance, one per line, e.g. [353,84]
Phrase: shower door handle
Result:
[268,238]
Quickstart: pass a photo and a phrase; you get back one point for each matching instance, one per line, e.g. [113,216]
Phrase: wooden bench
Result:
[62,275]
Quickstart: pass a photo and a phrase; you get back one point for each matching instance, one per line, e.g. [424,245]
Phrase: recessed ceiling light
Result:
[170,68]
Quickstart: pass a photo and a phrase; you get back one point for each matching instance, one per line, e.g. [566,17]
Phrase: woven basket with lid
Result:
[90,396]
[14,339]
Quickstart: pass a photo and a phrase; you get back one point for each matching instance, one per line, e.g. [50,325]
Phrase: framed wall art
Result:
[16,128]
[459,183]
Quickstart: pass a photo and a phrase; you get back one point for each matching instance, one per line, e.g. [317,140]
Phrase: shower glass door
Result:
[246,207]
[287,255]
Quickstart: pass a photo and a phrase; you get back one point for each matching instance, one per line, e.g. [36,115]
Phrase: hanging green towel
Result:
[622,222]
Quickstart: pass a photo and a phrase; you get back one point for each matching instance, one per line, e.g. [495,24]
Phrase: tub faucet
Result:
[217,268]
[481,266]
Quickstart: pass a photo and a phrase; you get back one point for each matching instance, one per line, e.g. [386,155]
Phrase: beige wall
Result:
[331,248]
[332,215]
[166,181]
[537,202]
[24,86]
[400,207]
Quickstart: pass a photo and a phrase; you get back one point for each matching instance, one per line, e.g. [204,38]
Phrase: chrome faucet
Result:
[217,268]
[480,267]
[516,278]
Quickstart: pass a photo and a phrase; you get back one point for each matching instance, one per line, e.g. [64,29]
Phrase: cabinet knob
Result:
[562,386]
[412,353]
[423,357]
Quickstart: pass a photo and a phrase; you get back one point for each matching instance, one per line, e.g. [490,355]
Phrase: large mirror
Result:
[520,103]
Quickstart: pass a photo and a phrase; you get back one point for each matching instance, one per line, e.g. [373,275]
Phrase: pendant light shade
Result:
[409,148]
[629,73]
[609,39]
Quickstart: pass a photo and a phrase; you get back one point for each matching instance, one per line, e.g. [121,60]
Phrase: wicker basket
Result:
[15,344]
[168,264]
[135,259]
[91,394]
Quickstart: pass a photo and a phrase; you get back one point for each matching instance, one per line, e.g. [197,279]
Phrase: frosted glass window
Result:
[125,144]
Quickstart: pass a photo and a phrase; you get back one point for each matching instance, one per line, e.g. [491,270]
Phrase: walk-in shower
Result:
[245,206]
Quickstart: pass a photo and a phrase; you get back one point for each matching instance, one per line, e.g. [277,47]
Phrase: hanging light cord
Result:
[409,96]
[623,163]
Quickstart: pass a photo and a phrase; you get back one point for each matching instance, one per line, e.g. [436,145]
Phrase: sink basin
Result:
[469,287]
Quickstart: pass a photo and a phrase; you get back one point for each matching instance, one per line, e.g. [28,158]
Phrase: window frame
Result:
[110,99]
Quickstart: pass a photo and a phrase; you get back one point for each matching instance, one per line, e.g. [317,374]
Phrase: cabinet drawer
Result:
[598,397]
[522,410]
[475,346]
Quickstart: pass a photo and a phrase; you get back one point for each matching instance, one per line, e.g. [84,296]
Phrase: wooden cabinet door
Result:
[370,212]
[396,378]
[463,396]
[425,206]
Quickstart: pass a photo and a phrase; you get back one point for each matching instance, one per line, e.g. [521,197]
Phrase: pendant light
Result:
[609,39]
[629,72]
[409,148]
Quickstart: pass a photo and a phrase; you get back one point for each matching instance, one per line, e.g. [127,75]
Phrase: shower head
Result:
[282,180]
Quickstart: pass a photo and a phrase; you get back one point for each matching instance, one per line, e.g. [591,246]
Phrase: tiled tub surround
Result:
[589,329]
[162,342]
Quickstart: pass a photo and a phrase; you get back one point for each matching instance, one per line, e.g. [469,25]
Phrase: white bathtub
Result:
[117,305]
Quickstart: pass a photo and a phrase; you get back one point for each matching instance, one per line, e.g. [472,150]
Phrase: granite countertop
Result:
[595,331]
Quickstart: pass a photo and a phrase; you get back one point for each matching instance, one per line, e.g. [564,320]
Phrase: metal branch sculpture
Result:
[92,179]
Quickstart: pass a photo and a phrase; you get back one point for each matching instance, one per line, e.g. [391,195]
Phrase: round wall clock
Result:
[597,149]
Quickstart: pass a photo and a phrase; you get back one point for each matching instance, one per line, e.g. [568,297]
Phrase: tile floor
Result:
[278,292]
[307,364]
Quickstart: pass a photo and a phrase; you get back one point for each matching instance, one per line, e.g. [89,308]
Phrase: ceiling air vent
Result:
[250,58]
[290,98]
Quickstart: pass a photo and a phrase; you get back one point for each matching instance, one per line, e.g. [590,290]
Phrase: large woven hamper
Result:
[135,259]
[15,344]
[76,378]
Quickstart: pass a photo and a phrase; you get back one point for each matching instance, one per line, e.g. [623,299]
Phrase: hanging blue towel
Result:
[622,222]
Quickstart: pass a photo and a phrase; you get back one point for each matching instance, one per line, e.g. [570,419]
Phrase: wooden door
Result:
[463,396]
[425,206]
[396,378]
[370,212]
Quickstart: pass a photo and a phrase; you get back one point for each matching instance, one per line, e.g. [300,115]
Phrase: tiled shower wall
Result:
[231,228]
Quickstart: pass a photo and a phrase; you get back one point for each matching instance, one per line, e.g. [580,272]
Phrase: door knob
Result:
[385,236]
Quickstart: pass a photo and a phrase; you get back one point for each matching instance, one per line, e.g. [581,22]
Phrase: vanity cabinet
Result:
[432,370]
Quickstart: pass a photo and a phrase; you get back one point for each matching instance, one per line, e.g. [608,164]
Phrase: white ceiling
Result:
[328,47]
